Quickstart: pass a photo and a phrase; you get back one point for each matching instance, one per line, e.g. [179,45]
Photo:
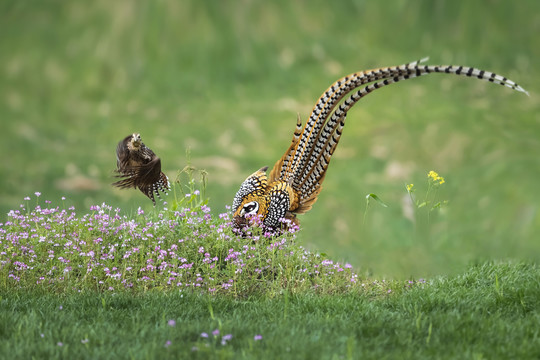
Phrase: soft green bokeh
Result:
[226,80]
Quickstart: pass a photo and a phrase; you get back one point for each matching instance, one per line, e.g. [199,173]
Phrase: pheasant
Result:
[295,181]
[140,168]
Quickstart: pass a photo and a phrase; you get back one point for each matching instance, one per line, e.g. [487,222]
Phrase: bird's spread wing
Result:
[147,177]
[148,155]
[151,180]
[122,156]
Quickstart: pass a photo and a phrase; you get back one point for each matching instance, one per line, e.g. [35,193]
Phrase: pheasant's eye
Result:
[250,208]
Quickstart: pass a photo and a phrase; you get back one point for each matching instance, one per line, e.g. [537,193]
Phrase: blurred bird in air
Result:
[139,167]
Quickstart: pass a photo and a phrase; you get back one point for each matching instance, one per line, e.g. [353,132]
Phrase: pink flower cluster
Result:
[188,249]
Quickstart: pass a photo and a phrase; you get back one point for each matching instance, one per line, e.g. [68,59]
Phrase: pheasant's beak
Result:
[248,220]
[240,221]
[136,140]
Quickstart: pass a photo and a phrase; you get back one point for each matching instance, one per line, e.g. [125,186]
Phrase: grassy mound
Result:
[185,247]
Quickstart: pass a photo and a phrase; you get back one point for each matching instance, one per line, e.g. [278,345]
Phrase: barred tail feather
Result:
[477,73]
[327,102]
[321,134]
[279,169]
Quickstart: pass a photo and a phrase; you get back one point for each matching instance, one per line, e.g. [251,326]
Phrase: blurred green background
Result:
[226,80]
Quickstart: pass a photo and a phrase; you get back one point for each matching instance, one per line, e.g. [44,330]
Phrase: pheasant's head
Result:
[250,201]
[136,141]
[252,211]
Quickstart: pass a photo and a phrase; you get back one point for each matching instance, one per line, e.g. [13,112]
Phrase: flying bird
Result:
[295,181]
[140,168]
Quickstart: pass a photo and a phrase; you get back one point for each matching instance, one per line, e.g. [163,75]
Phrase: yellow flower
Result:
[435,177]
[409,187]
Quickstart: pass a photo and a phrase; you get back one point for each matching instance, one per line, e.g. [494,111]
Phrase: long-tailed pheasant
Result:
[296,179]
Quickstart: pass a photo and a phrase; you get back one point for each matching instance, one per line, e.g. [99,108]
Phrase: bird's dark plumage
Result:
[140,168]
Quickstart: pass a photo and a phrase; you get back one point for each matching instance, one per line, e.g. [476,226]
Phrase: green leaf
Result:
[376,198]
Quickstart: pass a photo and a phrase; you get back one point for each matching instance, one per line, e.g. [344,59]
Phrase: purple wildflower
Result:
[91,245]
[226,338]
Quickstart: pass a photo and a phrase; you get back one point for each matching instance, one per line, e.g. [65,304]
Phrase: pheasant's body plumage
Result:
[296,179]
[140,168]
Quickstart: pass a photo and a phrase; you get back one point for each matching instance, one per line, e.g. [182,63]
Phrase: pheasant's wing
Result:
[122,155]
[150,179]
[147,154]
[147,177]
[128,181]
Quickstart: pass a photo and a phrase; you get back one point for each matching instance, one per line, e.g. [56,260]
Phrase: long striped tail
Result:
[305,163]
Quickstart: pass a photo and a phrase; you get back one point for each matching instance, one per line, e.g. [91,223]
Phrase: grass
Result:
[488,312]
[179,283]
